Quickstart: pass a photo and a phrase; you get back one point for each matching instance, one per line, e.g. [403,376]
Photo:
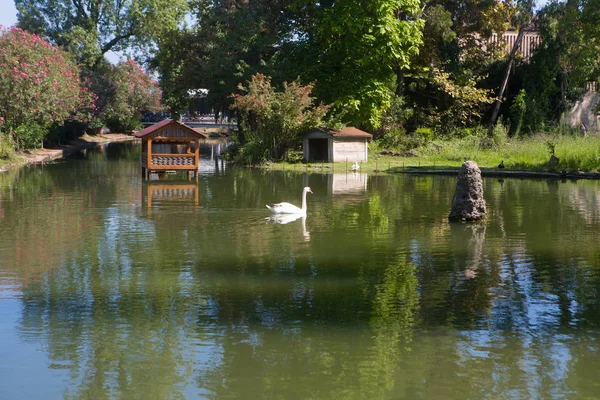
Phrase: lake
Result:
[116,287]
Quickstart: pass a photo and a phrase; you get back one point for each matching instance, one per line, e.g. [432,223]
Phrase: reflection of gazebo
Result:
[171,192]
[167,146]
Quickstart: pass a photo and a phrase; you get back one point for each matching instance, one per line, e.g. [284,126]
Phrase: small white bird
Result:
[288,208]
[355,167]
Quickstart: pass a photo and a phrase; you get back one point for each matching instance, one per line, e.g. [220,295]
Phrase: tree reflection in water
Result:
[386,300]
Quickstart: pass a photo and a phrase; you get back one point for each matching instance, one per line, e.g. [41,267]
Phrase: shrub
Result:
[6,147]
[473,131]
[393,139]
[122,123]
[254,151]
[497,137]
[276,119]
[39,85]
[30,135]
[394,118]
[517,112]
[425,135]
[294,156]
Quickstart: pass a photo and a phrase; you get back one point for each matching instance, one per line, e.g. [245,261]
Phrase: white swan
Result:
[287,208]
[355,167]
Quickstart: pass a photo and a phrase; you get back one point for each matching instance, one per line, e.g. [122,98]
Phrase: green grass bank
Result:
[531,154]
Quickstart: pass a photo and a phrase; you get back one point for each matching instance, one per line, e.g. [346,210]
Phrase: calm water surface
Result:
[112,287]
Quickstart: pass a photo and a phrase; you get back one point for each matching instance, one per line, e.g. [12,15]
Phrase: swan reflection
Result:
[284,219]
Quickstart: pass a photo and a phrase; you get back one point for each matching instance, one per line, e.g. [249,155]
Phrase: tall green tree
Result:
[90,28]
[356,47]
[231,41]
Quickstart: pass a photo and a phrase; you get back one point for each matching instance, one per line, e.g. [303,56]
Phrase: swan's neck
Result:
[304,201]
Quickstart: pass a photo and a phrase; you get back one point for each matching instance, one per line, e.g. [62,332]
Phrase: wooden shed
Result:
[332,145]
[167,146]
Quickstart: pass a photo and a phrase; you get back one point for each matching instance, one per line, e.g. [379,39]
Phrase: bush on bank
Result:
[40,87]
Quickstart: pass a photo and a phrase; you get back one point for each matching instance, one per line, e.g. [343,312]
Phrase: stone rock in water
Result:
[468,203]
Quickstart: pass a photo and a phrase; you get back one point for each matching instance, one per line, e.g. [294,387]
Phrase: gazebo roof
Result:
[348,131]
[164,124]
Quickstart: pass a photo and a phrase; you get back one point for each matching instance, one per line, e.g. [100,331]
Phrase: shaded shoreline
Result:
[502,174]
[429,170]
[39,156]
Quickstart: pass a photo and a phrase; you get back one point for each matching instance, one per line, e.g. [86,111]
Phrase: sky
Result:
[8,13]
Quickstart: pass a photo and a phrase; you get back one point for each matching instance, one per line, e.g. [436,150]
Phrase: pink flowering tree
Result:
[134,91]
[39,87]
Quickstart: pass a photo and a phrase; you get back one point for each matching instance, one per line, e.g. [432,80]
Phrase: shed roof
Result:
[348,131]
[166,122]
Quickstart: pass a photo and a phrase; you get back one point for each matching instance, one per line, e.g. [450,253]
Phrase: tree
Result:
[39,86]
[522,18]
[275,120]
[232,41]
[565,61]
[134,92]
[175,60]
[356,47]
[90,28]
[447,83]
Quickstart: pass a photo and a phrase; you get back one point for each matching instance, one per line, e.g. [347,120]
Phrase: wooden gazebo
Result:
[167,146]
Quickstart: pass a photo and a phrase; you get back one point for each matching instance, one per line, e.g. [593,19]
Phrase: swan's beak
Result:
[309,191]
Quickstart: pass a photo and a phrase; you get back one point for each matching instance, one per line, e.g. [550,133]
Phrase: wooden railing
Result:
[173,159]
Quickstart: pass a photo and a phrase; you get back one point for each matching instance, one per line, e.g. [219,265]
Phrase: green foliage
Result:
[388,66]
[395,117]
[461,103]
[39,86]
[133,92]
[517,112]
[358,46]
[400,140]
[497,138]
[122,123]
[30,135]
[294,156]
[393,139]
[7,147]
[275,120]
[90,28]
[551,144]
[254,151]
[95,124]
[568,58]
[519,153]
[472,131]
[231,42]
[425,134]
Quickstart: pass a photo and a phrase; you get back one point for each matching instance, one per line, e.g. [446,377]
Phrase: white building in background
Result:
[332,145]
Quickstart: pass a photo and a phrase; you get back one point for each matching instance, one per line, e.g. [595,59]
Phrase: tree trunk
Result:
[399,81]
[509,65]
